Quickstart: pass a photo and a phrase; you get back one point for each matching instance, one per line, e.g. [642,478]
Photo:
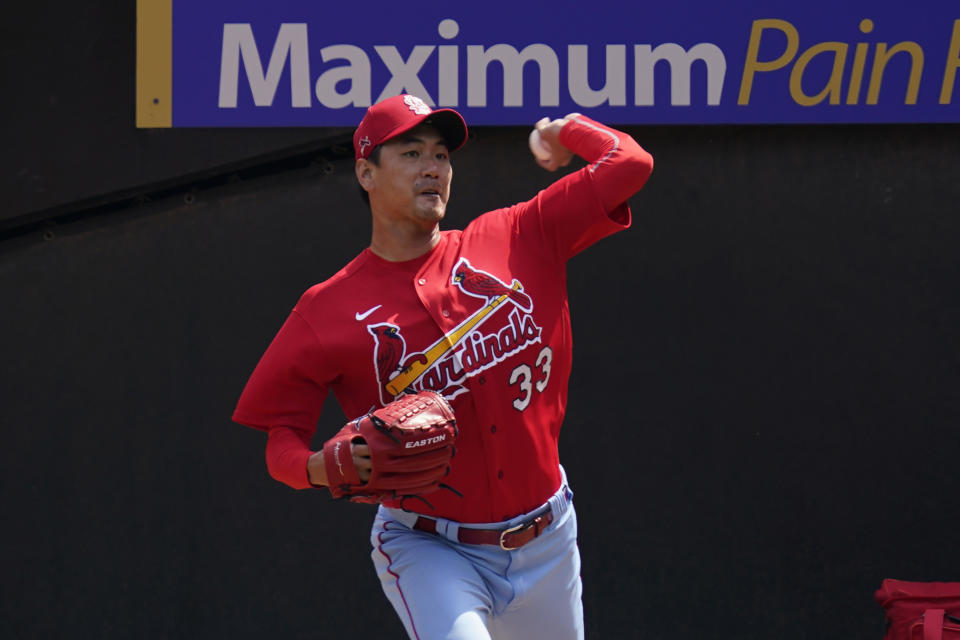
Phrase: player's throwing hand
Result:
[556,155]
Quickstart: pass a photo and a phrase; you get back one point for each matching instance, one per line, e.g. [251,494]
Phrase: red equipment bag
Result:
[920,610]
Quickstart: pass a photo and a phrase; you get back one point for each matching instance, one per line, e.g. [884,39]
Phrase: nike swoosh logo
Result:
[363,316]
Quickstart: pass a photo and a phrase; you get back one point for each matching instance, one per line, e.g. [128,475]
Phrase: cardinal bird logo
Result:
[481,284]
[390,347]
[463,351]
[389,351]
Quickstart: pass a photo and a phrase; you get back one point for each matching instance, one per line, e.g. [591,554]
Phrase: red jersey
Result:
[482,318]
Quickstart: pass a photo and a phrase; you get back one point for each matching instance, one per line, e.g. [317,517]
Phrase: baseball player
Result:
[479,316]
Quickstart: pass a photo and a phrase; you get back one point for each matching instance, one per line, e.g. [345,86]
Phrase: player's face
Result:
[412,181]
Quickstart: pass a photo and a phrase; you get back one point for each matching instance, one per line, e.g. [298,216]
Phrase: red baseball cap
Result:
[393,116]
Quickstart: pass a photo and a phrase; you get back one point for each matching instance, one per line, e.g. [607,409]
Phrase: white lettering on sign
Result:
[291,43]
[513,63]
[405,73]
[614,89]
[347,81]
[680,61]
[356,71]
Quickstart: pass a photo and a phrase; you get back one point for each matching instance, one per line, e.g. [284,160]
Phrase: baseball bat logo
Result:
[396,371]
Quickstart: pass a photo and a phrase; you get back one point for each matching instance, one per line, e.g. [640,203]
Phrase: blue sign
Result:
[245,63]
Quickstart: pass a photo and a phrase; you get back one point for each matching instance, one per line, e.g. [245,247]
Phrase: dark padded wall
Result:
[762,421]
[68,117]
[763,416]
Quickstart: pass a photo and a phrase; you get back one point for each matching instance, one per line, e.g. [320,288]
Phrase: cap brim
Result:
[450,124]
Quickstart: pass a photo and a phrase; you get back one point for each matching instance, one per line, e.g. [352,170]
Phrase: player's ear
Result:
[365,172]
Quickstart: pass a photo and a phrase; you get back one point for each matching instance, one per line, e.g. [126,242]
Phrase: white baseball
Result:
[538,146]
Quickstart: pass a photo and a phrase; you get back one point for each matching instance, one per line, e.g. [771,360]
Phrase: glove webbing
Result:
[382,427]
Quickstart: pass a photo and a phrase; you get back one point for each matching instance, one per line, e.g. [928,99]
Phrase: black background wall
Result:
[764,405]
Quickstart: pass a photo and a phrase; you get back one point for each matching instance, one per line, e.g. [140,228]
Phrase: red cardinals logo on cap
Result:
[417,105]
[363,144]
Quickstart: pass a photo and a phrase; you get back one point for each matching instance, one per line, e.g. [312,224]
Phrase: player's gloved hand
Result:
[410,443]
[361,460]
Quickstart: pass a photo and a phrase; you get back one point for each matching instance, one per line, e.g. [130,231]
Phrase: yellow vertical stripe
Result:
[154,63]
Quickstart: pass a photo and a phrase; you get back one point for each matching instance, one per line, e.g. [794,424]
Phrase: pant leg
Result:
[436,592]
[546,577]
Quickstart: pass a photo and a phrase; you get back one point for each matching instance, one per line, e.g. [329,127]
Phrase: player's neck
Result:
[403,242]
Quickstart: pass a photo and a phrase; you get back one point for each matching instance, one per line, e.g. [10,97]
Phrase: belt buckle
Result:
[506,532]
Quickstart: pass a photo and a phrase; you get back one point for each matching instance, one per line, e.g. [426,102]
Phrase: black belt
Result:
[507,539]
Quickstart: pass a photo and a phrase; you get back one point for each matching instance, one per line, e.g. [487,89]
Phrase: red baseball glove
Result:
[411,442]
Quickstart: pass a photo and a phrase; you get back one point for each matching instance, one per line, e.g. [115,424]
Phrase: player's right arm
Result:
[589,204]
[616,164]
[317,468]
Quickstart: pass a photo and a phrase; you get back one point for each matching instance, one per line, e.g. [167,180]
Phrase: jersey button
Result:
[500,475]
[446,313]
[493,428]
[422,281]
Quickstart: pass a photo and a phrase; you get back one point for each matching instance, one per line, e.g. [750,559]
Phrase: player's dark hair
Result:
[375,159]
